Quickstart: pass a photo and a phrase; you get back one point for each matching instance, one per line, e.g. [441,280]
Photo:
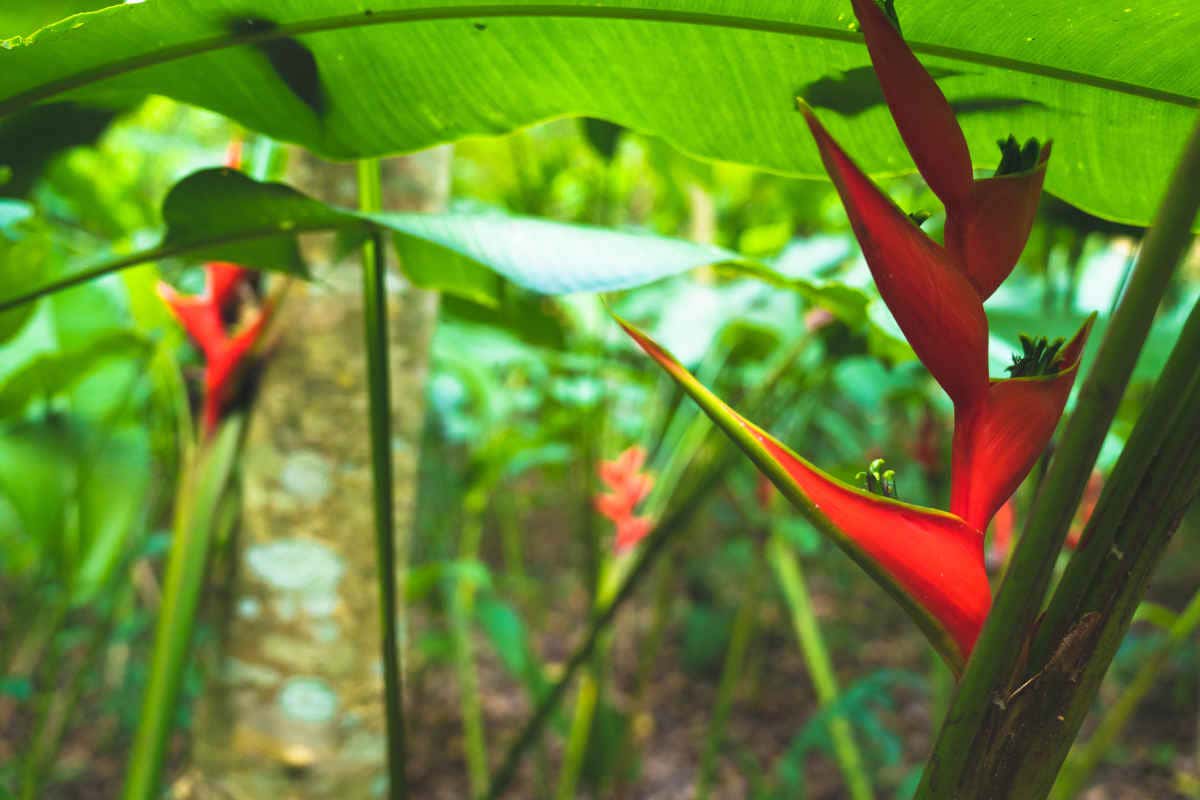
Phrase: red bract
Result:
[936,293]
[629,486]
[225,353]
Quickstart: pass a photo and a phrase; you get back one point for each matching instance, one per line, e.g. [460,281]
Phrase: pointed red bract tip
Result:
[998,440]
[933,303]
[923,115]
[223,281]
[988,232]
[198,316]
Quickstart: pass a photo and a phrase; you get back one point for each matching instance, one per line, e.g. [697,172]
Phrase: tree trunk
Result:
[292,706]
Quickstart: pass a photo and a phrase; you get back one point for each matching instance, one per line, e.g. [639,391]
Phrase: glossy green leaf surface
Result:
[220,214]
[1114,83]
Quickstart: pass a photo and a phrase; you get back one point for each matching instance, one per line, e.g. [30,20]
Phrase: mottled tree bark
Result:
[292,706]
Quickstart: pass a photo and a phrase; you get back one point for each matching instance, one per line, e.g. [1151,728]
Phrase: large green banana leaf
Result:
[1114,82]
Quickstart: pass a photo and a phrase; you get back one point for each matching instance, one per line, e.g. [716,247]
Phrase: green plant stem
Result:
[648,650]
[1120,490]
[375,336]
[462,611]
[1086,757]
[197,512]
[1044,720]
[744,624]
[994,665]
[788,573]
[577,739]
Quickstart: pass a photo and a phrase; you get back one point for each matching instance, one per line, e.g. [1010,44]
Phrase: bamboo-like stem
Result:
[1086,757]
[201,492]
[820,666]
[995,665]
[375,336]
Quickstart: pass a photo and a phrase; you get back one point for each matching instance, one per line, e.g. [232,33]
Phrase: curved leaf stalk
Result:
[1086,757]
[788,573]
[203,490]
[744,624]
[462,610]
[994,667]
[375,334]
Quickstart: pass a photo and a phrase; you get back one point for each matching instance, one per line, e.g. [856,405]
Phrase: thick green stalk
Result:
[1085,758]
[820,667]
[731,673]
[995,664]
[1120,491]
[375,335]
[462,614]
[1043,720]
[197,512]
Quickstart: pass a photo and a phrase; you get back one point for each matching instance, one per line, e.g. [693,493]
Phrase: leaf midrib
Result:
[440,13]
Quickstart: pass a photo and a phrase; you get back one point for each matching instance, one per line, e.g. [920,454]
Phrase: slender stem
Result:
[577,739]
[731,673]
[995,662]
[200,494]
[648,650]
[1086,757]
[820,666]
[462,612]
[375,335]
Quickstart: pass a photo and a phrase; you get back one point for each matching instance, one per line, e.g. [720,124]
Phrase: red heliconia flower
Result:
[936,292]
[203,316]
[931,561]
[629,485]
[226,354]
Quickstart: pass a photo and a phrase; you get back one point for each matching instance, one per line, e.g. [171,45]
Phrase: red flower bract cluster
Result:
[930,560]
[226,351]
[628,486]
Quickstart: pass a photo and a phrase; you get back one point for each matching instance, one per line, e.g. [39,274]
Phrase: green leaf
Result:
[49,374]
[221,214]
[423,579]
[715,79]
